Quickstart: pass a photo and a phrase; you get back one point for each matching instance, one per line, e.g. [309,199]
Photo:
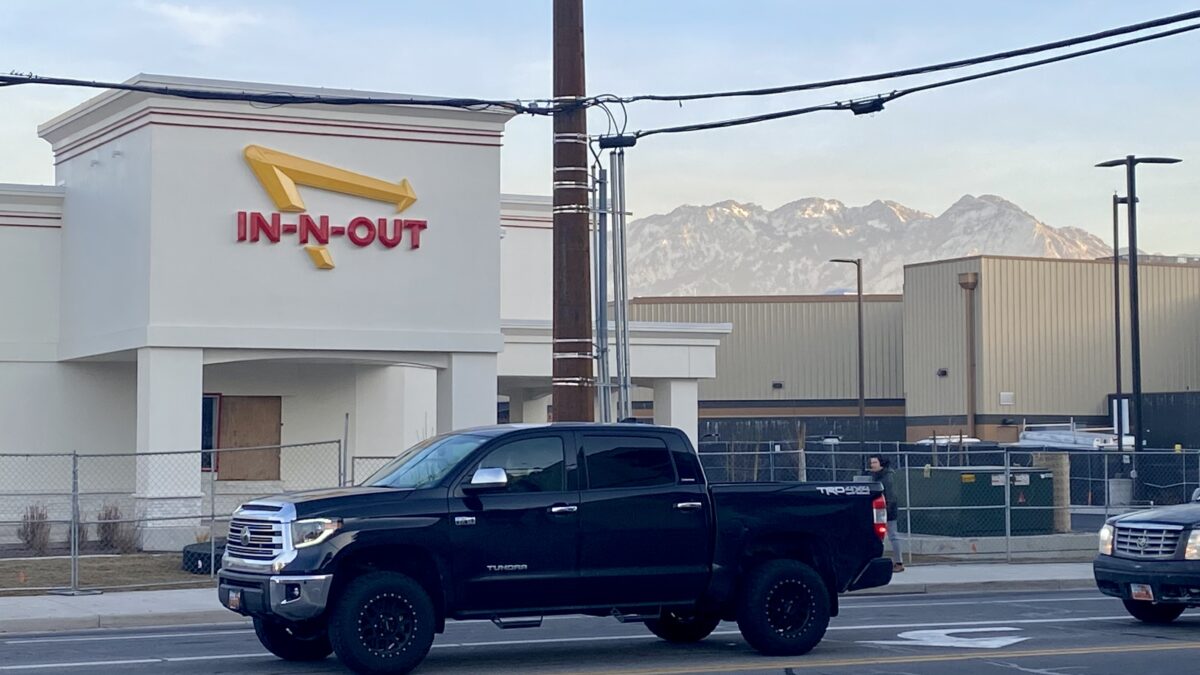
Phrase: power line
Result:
[533,107]
[875,103]
[921,70]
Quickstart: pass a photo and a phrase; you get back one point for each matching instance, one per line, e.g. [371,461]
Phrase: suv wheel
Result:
[382,623]
[293,642]
[1149,612]
[683,627]
[784,608]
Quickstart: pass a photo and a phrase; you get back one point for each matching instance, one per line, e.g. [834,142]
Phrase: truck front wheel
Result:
[681,627]
[1149,612]
[784,608]
[382,623]
[291,642]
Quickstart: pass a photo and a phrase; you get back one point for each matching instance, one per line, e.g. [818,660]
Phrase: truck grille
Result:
[254,539]
[1146,542]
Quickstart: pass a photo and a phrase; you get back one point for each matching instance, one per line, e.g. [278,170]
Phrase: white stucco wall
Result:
[155,185]
[526,257]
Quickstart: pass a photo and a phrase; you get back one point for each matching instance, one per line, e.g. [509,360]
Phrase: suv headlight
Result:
[313,531]
[1193,546]
[1106,540]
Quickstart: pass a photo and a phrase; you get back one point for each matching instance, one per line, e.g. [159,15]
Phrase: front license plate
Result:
[235,599]
[1141,592]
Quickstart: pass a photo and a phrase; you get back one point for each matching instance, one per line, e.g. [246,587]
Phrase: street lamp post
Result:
[862,401]
[1130,163]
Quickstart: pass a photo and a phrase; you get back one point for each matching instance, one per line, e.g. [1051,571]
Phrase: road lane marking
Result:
[766,663]
[138,636]
[950,638]
[134,662]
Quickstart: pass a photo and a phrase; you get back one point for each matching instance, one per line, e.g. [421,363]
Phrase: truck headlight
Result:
[1193,546]
[1106,540]
[313,531]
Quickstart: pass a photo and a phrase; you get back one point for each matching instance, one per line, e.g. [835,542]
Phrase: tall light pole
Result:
[1118,423]
[862,401]
[1130,163]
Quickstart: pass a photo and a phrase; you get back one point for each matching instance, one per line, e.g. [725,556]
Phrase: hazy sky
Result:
[1031,137]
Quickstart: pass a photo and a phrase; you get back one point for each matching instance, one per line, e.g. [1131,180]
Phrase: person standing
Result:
[881,471]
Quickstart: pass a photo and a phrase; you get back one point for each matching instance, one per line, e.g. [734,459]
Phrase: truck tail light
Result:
[880,508]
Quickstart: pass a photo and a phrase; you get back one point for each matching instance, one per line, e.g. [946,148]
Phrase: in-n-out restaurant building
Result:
[250,276]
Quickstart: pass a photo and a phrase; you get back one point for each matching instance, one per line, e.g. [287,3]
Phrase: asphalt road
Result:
[1064,633]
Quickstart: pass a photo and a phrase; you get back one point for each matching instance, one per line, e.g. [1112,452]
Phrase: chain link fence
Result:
[74,522]
[361,468]
[953,505]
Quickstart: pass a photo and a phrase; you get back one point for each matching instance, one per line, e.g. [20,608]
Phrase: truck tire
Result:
[382,623]
[1148,612]
[784,608]
[292,643]
[683,627]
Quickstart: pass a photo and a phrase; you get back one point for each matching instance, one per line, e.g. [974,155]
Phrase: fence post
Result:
[774,449]
[1107,499]
[344,451]
[74,521]
[908,540]
[212,519]
[1007,506]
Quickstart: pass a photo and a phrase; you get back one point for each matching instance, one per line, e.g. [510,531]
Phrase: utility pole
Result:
[573,384]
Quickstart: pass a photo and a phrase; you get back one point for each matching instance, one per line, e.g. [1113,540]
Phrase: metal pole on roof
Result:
[603,378]
[620,284]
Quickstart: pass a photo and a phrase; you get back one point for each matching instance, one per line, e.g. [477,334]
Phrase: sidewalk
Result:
[46,613]
[984,577]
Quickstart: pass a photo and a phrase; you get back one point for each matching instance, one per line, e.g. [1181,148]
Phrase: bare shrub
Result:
[35,529]
[114,532]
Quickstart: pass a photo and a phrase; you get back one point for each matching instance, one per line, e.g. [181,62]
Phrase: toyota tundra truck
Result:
[513,523]
[1151,561]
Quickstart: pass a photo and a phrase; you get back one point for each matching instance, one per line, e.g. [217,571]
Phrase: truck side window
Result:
[627,461]
[532,464]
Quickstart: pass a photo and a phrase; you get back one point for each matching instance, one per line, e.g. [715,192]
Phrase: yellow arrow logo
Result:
[280,173]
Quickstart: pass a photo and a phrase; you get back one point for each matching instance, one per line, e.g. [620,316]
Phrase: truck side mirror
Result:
[1196,495]
[487,480]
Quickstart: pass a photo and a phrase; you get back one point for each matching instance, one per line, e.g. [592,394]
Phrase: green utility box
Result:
[946,501]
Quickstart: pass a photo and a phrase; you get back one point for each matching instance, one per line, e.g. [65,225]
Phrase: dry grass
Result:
[124,570]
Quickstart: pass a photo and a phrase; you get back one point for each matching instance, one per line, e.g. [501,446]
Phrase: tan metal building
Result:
[795,357]
[1043,345]
[1044,340]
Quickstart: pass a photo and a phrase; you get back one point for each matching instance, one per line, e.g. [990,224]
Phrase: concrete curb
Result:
[53,624]
[980,587]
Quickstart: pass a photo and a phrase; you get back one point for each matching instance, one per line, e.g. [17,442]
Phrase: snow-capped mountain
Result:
[742,249]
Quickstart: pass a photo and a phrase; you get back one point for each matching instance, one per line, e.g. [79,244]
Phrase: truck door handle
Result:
[689,506]
[563,509]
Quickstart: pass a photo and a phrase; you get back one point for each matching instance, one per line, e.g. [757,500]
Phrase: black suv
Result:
[1151,560]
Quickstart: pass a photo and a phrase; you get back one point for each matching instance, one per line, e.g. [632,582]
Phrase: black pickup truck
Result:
[513,523]
[1151,560]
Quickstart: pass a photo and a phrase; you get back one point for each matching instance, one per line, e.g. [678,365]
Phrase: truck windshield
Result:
[425,463]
